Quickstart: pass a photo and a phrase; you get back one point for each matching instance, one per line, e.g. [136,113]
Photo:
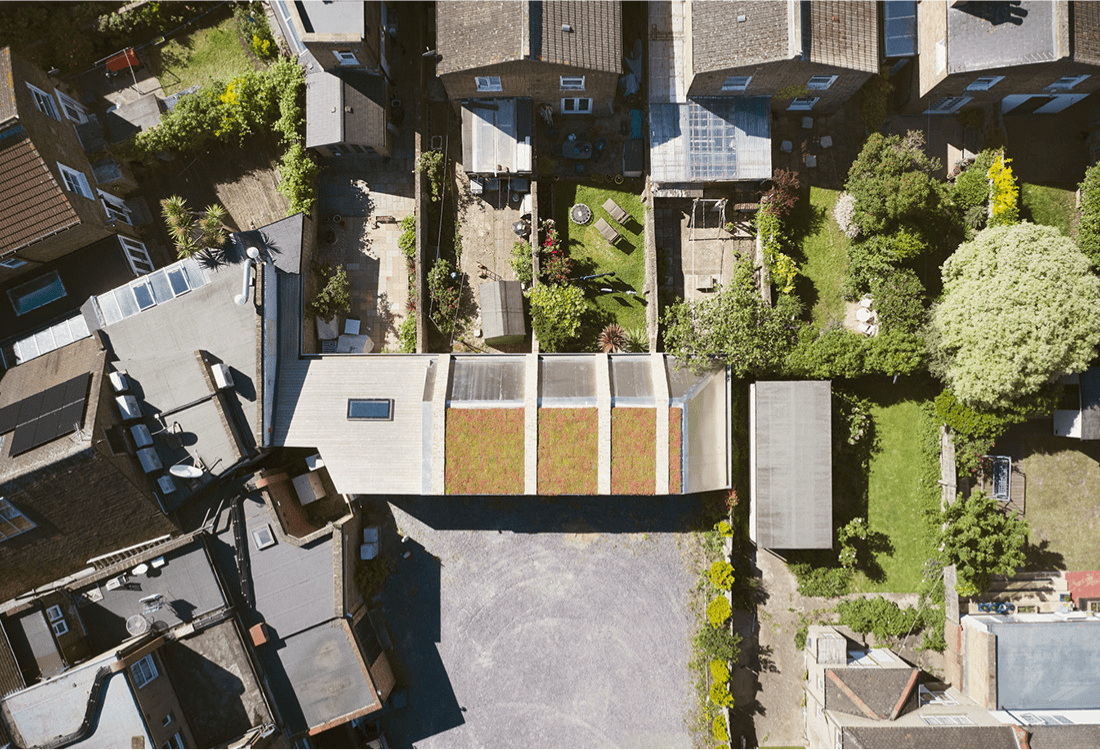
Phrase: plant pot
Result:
[618,179]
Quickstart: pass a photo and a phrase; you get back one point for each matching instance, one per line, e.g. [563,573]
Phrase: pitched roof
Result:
[1064,735]
[476,34]
[928,736]
[32,204]
[874,693]
[1086,32]
[844,33]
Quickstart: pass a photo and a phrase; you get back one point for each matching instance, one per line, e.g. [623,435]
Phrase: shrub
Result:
[971,187]
[406,242]
[1003,193]
[821,581]
[719,643]
[431,164]
[783,194]
[189,235]
[555,314]
[335,297]
[370,577]
[840,353]
[782,267]
[612,339]
[521,262]
[443,287]
[874,101]
[899,301]
[253,29]
[800,635]
[1088,230]
[719,611]
[720,575]
[406,334]
[894,183]
[554,262]
[844,213]
[982,540]
[719,670]
[720,695]
[879,616]
[724,529]
[298,173]
[719,730]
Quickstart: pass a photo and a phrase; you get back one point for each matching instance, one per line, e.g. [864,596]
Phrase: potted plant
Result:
[334,299]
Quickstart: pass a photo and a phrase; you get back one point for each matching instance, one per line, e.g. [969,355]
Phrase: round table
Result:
[136,624]
[580,214]
[863,315]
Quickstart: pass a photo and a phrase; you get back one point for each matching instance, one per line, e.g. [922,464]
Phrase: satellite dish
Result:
[183,471]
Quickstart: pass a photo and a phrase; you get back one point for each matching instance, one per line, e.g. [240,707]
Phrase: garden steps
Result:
[603,407]
[531,425]
[660,385]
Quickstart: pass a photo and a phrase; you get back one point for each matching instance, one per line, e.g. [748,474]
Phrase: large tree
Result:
[982,540]
[733,326]
[1020,307]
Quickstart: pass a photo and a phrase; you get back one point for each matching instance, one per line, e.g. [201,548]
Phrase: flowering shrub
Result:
[719,670]
[1003,208]
[782,267]
[555,265]
[718,611]
[444,292]
[718,728]
[720,695]
[720,574]
[845,214]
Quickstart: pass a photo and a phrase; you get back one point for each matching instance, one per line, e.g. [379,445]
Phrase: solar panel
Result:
[23,438]
[30,408]
[9,418]
[53,398]
[46,428]
[77,388]
[70,415]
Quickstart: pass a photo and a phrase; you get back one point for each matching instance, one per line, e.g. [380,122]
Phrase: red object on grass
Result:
[125,59]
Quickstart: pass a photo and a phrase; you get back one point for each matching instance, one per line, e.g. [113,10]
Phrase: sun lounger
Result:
[616,211]
[607,231]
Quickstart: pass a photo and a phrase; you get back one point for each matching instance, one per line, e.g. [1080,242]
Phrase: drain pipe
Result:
[242,298]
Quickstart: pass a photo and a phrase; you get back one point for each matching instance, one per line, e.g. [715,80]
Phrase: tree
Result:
[1088,237]
[555,314]
[1019,308]
[335,297]
[733,326]
[894,184]
[982,540]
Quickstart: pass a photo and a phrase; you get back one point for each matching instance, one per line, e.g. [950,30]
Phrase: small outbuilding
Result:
[496,136]
[502,313]
[790,452]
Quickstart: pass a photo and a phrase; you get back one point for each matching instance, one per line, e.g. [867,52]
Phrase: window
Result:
[44,102]
[736,83]
[176,740]
[946,719]
[936,697]
[167,719]
[143,671]
[75,181]
[820,83]
[985,83]
[948,105]
[60,628]
[54,613]
[12,522]
[802,104]
[488,83]
[839,739]
[346,57]
[380,409]
[36,293]
[576,106]
[71,107]
[1065,83]
[140,262]
[572,83]
[13,263]
[116,208]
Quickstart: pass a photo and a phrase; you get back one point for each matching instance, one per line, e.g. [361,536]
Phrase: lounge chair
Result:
[616,211]
[607,231]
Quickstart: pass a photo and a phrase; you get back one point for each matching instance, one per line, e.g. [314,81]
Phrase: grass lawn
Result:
[901,485]
[675,454]
[484,452]
[593,254]
[633,451]
[824,256]
[567,451]
[200,57]
[1051,206]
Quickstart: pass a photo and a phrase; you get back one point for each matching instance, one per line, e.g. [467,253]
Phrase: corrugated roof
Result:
[719,139]
[32,204]
[595,40]
[792,492]
[502,310]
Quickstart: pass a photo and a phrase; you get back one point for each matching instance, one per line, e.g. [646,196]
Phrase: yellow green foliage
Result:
[721,574]
[718,611]
[1005,193]
[719,670]
[724,528]
[720,732]
[720,695]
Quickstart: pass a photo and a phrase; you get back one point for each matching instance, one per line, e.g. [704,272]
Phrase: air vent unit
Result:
[119,381]
[263,537]
[222,377]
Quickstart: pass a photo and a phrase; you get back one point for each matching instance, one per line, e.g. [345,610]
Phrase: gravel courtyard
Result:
[542,622]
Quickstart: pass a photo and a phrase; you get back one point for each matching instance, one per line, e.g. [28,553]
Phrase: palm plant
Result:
[637,340]
[612,339]
[213,227]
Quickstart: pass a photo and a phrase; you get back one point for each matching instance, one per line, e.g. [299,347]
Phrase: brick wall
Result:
[769,79]
[539,80]
[1021,79]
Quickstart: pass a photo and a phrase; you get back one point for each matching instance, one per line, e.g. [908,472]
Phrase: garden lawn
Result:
[200,57]
[633,451]
[902,484]
[590,250]
[484,452]
[824,248]
[567,451]
[1054,207]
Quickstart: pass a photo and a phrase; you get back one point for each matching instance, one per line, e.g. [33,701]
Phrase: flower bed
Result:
[568,451]
[675,467]
[633,451]
[484,452]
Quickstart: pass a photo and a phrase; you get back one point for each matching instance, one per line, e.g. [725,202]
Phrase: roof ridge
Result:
[855,699]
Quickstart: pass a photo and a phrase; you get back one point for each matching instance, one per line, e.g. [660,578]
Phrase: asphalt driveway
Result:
[542,622]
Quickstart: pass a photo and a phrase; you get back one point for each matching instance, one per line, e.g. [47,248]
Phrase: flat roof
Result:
[710,139]
[1047,665]
[983,36]
[791,465]
[496,136]
[331,16]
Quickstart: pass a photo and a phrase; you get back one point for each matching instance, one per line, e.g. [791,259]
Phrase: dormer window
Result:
[821,83]
[1066,83]
[75,182]
[44,102]
[346,57]
[12,522]
[736,83]
[572,83]
[488,83]
[985,83]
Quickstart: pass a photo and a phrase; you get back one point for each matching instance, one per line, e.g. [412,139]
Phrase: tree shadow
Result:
[1041,557]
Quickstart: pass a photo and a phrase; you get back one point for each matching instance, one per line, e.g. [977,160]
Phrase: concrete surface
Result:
[574,636]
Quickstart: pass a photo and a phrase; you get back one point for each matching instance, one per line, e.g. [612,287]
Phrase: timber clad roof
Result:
[34,205]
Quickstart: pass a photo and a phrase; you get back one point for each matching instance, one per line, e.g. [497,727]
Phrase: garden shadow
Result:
[1038,557]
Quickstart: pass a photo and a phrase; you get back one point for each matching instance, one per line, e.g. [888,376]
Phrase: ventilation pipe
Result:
[242,298]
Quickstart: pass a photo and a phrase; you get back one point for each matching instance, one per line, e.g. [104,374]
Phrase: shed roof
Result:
[792,494]
[710,139]
[496,136]
[502,311]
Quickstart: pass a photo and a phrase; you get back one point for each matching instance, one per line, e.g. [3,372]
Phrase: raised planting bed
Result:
[484,452]
[568,453]
[675,465]
[633,451]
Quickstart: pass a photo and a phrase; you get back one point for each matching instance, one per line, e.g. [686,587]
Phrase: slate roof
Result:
[928,736]
[1064,735]
[476,34]
[32,204]
[874,693]
[1086,32]
[832,32]
[983,36]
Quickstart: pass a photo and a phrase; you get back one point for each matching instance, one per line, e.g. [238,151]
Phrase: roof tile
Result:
[32,204]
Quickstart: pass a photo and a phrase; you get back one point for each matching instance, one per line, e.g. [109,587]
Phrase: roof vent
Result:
[263,537]
[119,381]
[222,377]
[742,19]
[347,110]
[567,28]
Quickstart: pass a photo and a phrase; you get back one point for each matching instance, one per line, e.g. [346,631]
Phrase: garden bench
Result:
[616,211]
[607,231]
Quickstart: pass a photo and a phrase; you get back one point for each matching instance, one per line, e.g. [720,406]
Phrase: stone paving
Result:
[370,195]
[689,258]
